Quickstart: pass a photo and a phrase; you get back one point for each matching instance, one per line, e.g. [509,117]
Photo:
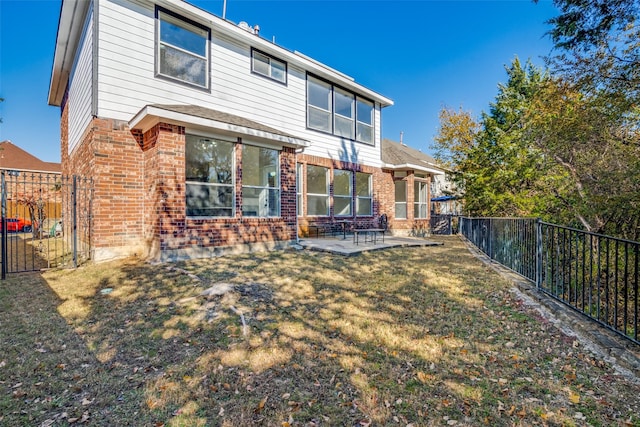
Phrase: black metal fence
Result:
[594,274]
[45,221]
[444,224]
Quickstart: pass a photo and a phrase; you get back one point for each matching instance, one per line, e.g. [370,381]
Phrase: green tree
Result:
[496,167]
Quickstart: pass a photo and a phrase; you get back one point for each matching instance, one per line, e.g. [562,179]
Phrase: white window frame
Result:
[271,63]
[396,202]
[269,189]
[344,197]
[420,202]
[232,185]
[325,195]
[185,24]
[368,197]
[337,117]
[361,124]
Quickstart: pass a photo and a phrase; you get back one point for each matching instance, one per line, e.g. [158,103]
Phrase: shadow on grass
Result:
[423,336]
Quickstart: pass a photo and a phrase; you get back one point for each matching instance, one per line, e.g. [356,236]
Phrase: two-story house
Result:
[200,135]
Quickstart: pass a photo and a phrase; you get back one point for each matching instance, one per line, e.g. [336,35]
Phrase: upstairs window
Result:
[182,50]
[320,106]
[268,66]
[337,111]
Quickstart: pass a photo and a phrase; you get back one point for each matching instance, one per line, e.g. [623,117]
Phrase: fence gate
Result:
[45,221]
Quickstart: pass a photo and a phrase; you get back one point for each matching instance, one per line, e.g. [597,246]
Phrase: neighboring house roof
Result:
[194,116]
[400,157]
[72,19]
[15,158]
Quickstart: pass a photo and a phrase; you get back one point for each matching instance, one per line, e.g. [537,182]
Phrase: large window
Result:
[364,194]
[268,66]
[182,50]
[401,199]
[317,191]
[420,199]
[337,111]
[342,182]
[209,168]
[260,182]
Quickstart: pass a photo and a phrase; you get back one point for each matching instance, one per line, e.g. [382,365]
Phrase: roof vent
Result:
[255,30]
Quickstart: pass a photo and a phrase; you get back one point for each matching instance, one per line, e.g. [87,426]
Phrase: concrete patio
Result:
[346,246]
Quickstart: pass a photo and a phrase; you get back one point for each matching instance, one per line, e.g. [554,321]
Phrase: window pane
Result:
[342,206]
[365,133]
[209,200]
[183,66]
[183,35]
[317,205]
[401,210]
[317,180]
[208,160]
[259,166]
[344,127]
[401,191]
[319,119]
[363,187]
[365,112]
[260,202]
[260,63]
[343,103]
[342,183]
[278,70]
[364,206]
[319,94]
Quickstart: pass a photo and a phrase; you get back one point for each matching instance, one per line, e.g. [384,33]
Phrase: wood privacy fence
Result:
[596,275]
[45,221]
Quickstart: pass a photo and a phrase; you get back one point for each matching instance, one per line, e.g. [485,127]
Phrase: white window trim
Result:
[188,25]
[417,200]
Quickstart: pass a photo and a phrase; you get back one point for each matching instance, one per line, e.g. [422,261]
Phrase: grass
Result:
[421,336]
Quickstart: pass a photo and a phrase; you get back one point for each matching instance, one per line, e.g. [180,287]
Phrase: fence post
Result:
[3,235]
[538,253]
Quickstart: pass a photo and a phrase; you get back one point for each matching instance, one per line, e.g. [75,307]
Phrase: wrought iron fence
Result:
[45,221]
[594,274]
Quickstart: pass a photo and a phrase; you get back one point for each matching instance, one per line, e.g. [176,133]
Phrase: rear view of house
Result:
[202,136]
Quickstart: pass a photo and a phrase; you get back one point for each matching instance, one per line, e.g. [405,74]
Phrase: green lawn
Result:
[418,336]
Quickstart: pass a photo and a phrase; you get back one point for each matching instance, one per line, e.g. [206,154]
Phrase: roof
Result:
[193,116]
[399,157]
[74,12]
[15,158]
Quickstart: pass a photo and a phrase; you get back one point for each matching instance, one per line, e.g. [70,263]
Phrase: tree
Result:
[496,167]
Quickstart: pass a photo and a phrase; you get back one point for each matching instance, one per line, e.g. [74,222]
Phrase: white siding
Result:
[81,87]
[127,82]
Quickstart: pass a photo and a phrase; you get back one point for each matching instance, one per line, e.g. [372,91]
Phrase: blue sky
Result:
[422,54]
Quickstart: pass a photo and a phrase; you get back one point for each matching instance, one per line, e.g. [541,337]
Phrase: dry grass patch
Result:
[426,336]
